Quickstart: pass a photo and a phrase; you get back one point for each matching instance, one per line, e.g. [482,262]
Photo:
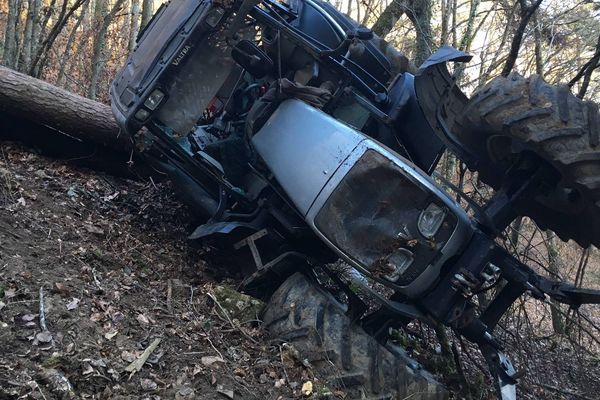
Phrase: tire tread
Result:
[345,356]
[559,127]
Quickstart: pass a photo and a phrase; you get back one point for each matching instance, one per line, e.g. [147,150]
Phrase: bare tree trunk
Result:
[42,24]
[453,30]
[515,232]
[83,42]
[445,19]
[61,124]
[527,12]
[445,347]
[124,30]
[100,42]
[494,63]
[449,167]
[421,19]
[369,11]
[388,18]
[148,10]
[558,323]
[539,61]
[19,33]
[69,46]
[36,28]
[34,100]
[583,263]
[42,55]
[467,38]
[100,14]
[28,36]
[419,12]
[10,35]
[135,23]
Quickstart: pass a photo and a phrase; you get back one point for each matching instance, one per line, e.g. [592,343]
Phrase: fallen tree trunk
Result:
[49,142]
[63,125]
[41,103]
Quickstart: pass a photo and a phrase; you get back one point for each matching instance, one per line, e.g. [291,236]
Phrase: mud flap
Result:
[441,100]
[443,55]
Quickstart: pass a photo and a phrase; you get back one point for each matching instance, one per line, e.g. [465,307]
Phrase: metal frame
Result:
[481,261]
[454,289]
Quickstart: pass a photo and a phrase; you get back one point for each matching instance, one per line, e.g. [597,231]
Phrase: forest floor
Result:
[117,276]
[109,258]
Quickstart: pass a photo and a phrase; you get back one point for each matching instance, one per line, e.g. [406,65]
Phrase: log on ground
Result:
[39,102]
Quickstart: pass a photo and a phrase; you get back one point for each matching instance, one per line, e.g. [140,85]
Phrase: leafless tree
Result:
[98,58]
[147,10]
[526,13]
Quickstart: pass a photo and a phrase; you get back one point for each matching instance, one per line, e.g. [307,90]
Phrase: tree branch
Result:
[526,14]
[388,18]
[586,72]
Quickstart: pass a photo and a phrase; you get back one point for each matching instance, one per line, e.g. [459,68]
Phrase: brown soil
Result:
[111,259]
[107,252]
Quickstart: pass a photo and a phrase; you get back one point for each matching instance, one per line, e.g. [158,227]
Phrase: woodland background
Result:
[80,44]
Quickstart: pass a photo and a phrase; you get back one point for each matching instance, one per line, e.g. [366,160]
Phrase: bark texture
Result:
[419,12]
[41,57]
[388,18]
[147,10]
[34,100]
[10,35]
[558,323]
[135,23]
[527,12]
[586,72]
[68,48]
[104,19]
[28,36]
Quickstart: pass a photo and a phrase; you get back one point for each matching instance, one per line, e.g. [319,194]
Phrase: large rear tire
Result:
[511,115]
[343,354]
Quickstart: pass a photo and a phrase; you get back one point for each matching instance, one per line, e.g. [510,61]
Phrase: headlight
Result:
[377,214]
[430,220]
[399,262]
[153,101]
[142,115]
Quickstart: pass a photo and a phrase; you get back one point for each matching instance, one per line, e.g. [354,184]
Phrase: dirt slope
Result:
[111,261]
[117,273]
